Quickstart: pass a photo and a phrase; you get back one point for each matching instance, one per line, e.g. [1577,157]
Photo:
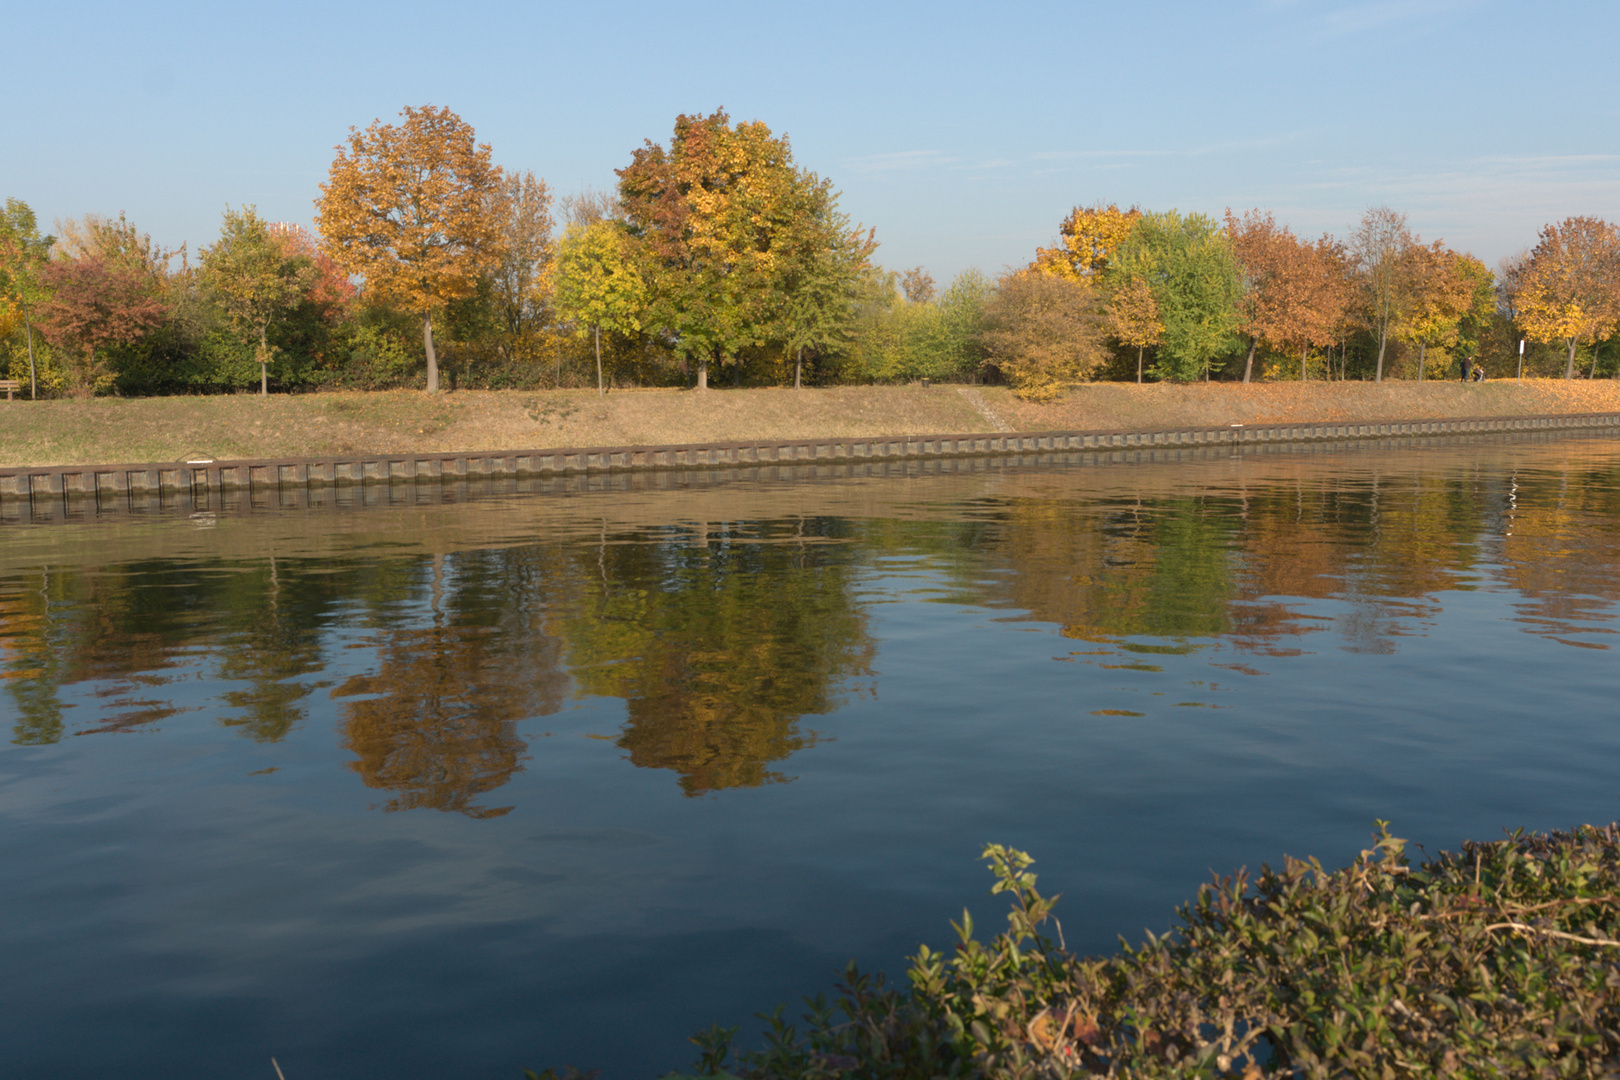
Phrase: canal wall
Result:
[204,478]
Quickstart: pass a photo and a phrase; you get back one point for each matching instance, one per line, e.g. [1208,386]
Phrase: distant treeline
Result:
[718,256]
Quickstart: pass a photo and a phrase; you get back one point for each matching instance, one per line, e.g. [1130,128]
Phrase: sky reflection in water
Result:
[459,790]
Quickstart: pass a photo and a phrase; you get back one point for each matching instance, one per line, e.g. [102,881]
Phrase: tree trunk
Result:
[1569,368]
[1139,364]
[597,331]
[1423,348]
[703,374]
[1248,365]
[264,365]
[798,368]
[1381,342]
[1593,375]
[1302,354]
[28,327]
[432,357]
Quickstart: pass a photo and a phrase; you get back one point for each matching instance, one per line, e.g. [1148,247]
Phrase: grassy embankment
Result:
[307,425]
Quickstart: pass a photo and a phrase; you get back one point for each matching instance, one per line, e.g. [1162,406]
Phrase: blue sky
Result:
[962,132]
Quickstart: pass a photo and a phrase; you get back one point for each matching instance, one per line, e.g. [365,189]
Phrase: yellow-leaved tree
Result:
[1133,318]
[598,285]
[1043,332]
[1570,291]
[1439,294]
[416,210]
[1087,240]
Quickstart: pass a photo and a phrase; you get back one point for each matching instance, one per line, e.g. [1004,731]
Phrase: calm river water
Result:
[454,789]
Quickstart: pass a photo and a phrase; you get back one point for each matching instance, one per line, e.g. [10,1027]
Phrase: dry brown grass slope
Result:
[309,425]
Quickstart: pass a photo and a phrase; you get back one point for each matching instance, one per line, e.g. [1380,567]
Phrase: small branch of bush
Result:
[1498,960]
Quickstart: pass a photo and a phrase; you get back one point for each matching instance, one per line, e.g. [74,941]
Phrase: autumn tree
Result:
[1186,262]
[1438,294]
[918,285]
[118,242]
[1133,318]
[1570,291]
[1326,312]
[1087,241]
[1380,245]
[522,274]
[95,305]
[1510,282]
[713,215]
[1337,266]
[738,643]
[1293,295]
[255,279]
[1267,256]
[415,210]
[23,256]
[590,205]
[330,290]
[598,285]
[1042,332]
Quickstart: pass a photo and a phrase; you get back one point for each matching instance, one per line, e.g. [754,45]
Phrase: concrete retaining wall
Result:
[203,477]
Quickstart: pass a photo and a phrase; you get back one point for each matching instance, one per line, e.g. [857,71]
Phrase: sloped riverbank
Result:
[407,422]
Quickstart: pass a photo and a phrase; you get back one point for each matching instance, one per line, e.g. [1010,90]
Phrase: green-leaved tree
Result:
[255,279]
[1187,263]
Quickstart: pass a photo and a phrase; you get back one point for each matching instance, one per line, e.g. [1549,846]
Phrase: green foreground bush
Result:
[1499,960]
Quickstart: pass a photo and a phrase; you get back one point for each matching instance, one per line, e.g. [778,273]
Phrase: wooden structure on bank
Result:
[209,478]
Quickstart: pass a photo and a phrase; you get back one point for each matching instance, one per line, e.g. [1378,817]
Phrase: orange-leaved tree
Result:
[1268,257]
[1294,293]
[415,210]
[1570,291]
[1133,318]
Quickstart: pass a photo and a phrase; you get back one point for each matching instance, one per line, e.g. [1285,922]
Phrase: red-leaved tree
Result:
[97,305]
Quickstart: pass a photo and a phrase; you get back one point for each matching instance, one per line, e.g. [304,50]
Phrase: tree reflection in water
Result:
[722,637]
[436,722]
[719,641]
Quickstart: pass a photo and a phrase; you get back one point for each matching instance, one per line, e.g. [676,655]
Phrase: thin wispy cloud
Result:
[1488,205]
[1082,155]
[1118,157]
[1380,16]
[900,161]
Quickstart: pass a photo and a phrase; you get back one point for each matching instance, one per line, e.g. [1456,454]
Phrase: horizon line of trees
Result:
[717,255]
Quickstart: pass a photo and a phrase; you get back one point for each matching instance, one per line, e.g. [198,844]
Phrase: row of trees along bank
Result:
[717,254]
